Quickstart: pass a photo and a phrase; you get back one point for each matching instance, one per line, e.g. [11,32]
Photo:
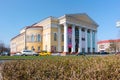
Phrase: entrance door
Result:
[69,50]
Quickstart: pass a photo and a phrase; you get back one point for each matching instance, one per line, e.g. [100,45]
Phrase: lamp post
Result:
[118,26]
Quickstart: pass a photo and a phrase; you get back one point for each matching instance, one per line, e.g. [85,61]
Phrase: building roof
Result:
[27,27]
[83,17]
[42,20]
[108,41]
[17,36]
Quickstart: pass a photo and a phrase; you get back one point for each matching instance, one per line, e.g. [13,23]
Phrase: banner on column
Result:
[69,37]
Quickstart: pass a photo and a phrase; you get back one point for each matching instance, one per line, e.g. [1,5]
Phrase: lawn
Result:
[19,57]
[62,68]
[34,57]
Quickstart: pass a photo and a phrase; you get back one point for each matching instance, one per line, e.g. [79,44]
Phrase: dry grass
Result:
[63,68]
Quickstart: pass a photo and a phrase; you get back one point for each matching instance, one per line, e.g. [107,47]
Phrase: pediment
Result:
[83,18]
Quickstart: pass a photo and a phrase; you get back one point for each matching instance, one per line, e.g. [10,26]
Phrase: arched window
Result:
[55,36]
[32,38]
[39,38]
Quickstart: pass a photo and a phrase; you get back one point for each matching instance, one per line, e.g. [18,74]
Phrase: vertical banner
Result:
[69,37]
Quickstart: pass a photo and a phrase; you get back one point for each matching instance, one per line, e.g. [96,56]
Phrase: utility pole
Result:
[118,26]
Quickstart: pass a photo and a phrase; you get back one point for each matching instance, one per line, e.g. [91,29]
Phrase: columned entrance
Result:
[79,39]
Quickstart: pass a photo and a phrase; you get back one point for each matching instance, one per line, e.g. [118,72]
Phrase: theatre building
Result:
[69,33]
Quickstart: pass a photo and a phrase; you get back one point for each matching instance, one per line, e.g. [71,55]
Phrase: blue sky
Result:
[16,14]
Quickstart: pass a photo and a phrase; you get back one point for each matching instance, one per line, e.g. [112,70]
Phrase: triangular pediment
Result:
[83,17]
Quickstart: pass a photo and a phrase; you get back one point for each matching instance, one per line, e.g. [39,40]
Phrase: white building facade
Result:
[80,33]
[71,33]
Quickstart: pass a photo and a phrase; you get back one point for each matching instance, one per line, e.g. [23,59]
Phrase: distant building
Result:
[69,34]
[109,45]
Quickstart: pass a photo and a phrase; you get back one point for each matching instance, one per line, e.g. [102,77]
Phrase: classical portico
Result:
[79,33]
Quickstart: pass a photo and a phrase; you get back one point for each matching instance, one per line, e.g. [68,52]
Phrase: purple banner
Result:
[69,37]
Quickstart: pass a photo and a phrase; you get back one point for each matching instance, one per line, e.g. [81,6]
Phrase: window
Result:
[83,49]
[32,48]
[32,38]
[39,38]
[38,48]
[55,48]
[55,36]
[83,39]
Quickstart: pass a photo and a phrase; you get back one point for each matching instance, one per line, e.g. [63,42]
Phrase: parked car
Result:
[28,53]
[56,54]
[4,54]
[17,54]
[104,53]
[80,53]
[44,53]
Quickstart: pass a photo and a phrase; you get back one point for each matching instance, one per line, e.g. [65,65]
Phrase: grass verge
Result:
[63,68]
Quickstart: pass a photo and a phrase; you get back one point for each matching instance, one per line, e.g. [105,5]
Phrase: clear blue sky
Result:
[16,14]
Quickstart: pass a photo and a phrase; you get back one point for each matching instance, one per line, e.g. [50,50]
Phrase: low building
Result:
[69,34]
[109,45]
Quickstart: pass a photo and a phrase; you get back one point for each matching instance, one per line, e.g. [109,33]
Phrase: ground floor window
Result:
[88,50]
[38,48]
[53,48]
[32,48]
[83,49]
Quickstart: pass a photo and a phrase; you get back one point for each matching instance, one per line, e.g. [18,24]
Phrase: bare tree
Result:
[1,47]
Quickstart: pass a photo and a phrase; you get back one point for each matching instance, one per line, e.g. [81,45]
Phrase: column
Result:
[59,38]
[95,41]
[65,38]
[80,41]
[91,41]
[73,38]
[86,45]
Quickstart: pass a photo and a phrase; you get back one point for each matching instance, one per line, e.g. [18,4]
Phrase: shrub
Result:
[63,68]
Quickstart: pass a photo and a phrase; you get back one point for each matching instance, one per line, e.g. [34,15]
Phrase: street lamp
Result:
[118,26]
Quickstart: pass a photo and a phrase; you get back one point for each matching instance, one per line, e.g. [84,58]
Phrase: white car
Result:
[56,54]
[28,53]
[17,54]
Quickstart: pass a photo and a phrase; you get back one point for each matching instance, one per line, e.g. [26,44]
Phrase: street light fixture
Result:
[118,26]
